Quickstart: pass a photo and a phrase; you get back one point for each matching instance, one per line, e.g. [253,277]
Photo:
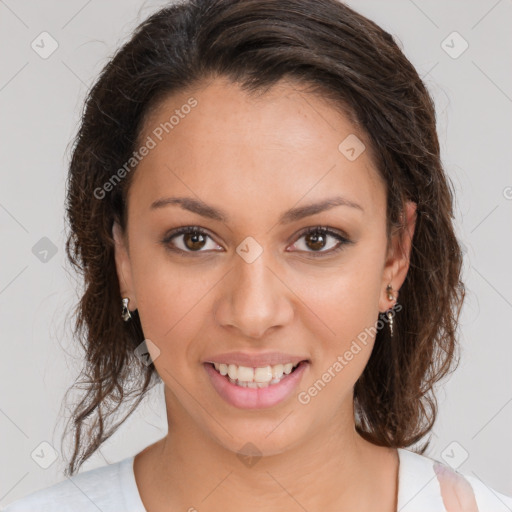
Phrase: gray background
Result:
[41,101]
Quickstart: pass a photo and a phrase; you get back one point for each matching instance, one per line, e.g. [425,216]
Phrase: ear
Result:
[398,257]
[123,266]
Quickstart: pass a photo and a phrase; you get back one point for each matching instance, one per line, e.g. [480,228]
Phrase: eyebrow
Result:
[294,214]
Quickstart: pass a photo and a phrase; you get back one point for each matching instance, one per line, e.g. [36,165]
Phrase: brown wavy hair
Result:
[337,54]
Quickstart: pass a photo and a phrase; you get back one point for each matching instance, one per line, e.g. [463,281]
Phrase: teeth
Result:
[245,374]
[232,371]
[260,374]
[254,377]
[277,371]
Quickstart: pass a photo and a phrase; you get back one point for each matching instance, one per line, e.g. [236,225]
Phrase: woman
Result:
[254,185]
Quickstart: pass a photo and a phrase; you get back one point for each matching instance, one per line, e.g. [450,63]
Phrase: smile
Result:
[261,377]
[254,388]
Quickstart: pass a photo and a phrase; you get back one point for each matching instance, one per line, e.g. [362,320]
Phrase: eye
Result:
[193,239]
[316,239]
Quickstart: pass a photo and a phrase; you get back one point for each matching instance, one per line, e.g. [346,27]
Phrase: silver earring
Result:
[125,312]
[389,313]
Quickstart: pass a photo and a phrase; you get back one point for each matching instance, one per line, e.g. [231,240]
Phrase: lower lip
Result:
[255,398]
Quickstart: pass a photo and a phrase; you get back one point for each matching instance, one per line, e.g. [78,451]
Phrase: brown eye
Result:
[318,238]
[189,239]
[194,241]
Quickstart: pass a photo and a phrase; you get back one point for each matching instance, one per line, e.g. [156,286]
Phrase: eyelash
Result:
[196,230]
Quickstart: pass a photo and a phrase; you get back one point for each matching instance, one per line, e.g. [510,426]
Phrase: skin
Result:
[256,158]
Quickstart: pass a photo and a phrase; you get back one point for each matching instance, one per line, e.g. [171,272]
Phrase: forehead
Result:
[285,115]
[282,145]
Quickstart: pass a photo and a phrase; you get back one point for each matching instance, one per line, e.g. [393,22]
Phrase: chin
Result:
[264,442]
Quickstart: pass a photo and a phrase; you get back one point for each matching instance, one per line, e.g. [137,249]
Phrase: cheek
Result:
[342,311]
[170,301]
[340,356]
[344,300]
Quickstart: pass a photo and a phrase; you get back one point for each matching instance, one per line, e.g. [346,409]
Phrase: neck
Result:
[189,470]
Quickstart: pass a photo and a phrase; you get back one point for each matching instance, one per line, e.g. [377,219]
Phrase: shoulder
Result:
[93,490]
[429,485]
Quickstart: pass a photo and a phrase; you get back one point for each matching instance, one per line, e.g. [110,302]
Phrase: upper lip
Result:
[255,360]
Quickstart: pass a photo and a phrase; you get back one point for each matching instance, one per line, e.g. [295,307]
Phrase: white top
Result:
[113,488]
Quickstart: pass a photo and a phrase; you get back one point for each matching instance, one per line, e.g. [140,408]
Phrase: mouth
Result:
[255,388]
[255,378]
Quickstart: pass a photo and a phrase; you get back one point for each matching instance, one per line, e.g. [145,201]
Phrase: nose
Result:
[254,299]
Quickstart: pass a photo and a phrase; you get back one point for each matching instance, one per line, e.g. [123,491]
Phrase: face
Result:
[243,283]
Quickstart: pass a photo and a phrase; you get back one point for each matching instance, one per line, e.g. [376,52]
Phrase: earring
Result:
[389,313]
[125,312]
